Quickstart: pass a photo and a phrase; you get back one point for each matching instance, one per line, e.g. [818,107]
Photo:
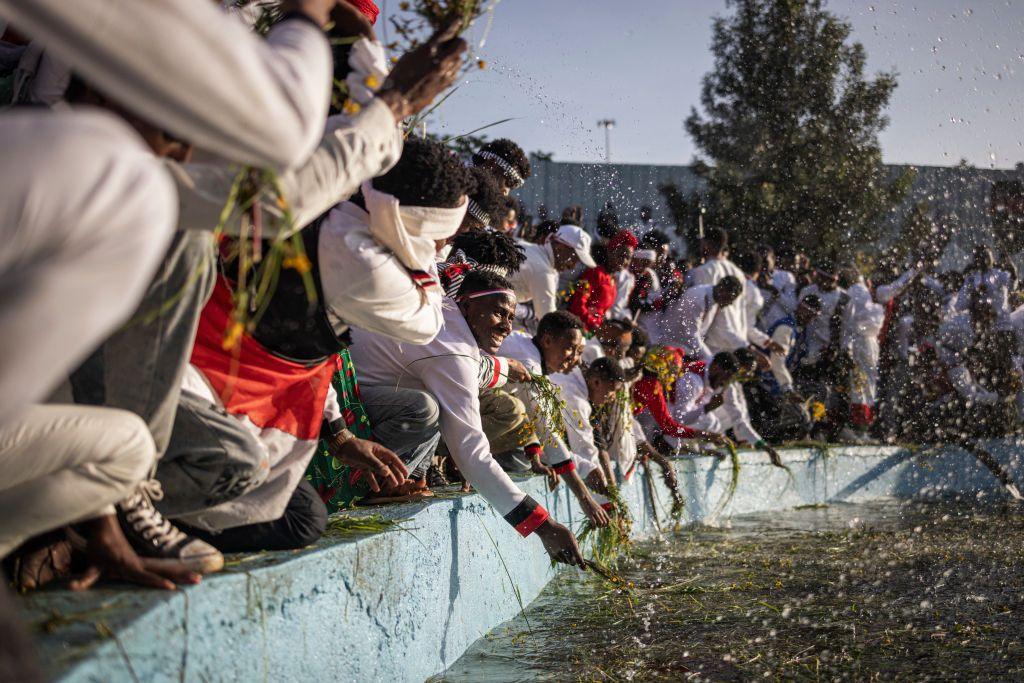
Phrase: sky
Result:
[558,66]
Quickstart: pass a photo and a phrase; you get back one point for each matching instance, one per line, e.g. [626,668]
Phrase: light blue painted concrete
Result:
[404,605]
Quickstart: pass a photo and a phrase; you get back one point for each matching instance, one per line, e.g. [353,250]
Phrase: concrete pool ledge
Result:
[405,604]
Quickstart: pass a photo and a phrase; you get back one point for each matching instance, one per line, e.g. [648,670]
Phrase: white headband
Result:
[488,292]
[410,232]
[508,168]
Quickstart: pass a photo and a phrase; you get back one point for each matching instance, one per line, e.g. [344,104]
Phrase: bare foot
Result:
[109,554]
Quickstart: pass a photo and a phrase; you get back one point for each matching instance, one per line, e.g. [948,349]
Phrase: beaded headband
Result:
[476,212]
[510,171]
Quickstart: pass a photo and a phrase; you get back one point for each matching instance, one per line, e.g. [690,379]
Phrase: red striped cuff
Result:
[527,516]
[422,279]
[533,449]
[565,467]
[500,374]
[530,524]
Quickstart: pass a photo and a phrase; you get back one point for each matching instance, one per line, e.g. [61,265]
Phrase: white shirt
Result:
[819,331]
[190,68]
[624,281]
[692,392]
[576,415]
[781,305]
[785,336]
[688,318]
[731,329]
[537,279]
[446,367]
[352,149]
[996,283]
[366,286]
[893,290]
[863,318]
[520,346]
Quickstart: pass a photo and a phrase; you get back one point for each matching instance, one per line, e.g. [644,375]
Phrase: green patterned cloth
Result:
[339,485]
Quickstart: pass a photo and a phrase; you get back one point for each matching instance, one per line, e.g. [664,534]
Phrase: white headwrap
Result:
[410,232]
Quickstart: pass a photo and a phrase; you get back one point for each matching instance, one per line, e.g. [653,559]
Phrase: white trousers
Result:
[86,213]
[61,464]
[864,376]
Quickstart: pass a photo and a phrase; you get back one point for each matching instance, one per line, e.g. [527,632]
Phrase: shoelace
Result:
[146,519]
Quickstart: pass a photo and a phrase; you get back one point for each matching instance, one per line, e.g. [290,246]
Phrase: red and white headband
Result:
[488,292]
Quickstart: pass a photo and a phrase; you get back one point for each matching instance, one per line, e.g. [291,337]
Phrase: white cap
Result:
[574,236]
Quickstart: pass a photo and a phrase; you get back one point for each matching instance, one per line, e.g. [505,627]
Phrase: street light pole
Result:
[607,124]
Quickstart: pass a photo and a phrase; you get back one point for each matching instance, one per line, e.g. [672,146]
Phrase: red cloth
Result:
[594,296]
[368,8]
[623,238]
[251,381]
[648,394]
[861,415]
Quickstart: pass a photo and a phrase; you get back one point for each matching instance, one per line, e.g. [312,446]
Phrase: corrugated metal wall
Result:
[958,196]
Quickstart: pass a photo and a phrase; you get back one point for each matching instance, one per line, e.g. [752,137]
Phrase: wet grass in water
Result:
[866,592]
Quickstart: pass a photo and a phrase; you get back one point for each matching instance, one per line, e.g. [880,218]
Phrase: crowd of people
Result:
[168,397]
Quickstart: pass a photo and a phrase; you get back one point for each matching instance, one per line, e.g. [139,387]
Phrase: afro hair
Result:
[427,174]
[491,248]
[559,323]
[480,280]
[488,195]
[510,152]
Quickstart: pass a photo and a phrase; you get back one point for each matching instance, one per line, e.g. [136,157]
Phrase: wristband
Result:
[341,438]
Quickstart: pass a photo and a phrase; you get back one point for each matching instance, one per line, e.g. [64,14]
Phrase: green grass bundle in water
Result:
[734,480]
[610,541]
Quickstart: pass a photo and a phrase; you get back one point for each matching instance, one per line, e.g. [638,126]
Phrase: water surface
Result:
[885,591]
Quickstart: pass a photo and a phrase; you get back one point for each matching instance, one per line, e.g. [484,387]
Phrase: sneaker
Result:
[154,537]
[436,478]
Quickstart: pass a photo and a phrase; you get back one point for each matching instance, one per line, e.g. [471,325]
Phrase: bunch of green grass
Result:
[358,525]
[550,406]
[734,480]
[607,543]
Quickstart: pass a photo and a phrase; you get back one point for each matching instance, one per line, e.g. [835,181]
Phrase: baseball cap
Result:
[574,236]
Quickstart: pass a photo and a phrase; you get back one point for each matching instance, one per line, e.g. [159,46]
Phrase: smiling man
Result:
[448,367]
[556,348]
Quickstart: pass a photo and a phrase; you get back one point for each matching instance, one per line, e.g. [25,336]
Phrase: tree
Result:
[790,130]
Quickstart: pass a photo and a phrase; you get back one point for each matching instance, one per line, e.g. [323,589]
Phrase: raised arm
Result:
[351,151]
[190,68]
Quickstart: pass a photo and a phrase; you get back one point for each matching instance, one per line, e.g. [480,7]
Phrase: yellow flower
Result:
[351,107]
[371,82]
[232,335]
[282,203]
[817,411]
[299,262]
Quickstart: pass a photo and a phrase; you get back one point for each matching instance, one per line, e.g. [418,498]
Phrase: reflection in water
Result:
[912,591]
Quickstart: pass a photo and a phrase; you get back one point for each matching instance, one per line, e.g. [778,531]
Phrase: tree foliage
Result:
[790,129]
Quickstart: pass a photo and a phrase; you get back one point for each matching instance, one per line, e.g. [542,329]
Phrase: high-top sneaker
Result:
[154,537]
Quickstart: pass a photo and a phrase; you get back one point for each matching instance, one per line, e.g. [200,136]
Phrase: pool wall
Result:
[403,605]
